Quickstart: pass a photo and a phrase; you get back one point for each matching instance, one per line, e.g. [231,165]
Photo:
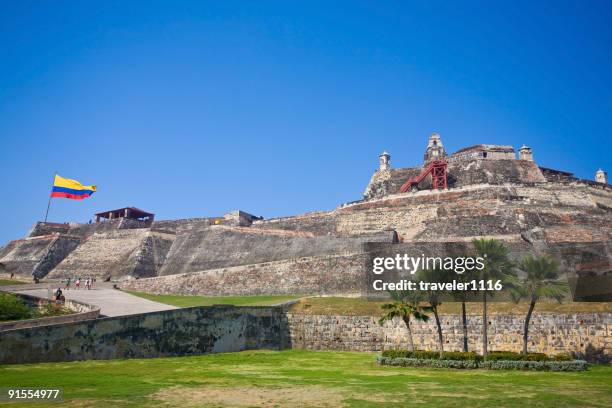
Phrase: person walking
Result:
[67,283]
[77,283]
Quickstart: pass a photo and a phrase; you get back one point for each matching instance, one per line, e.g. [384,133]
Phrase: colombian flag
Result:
[66,188]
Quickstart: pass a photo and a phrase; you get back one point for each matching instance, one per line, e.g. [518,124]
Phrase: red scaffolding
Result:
[437,169]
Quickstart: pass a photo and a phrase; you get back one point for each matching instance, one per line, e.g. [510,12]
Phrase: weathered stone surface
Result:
[36,256]
[221,246]
[331,274]
[119,253]
[177,332]
[583,334]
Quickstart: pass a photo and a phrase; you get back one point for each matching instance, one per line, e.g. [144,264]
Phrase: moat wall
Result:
[201,330]
[587,335]
[177,332]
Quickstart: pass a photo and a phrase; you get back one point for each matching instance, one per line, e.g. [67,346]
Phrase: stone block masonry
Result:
[214,329]
[585,334]
[176,332]
[118,253]
[332,274]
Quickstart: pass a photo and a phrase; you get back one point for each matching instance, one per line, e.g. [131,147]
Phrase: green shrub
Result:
[471,356]
[512,356]
[427,362]
[573,365]
[461,355]
[13,308]
[563,357]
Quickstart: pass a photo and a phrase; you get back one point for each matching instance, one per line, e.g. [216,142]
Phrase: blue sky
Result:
[191,109]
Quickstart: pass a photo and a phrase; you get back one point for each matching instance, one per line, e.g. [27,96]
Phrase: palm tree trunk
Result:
[464,321]
[440,339]
[407,323]
[485,324]
[526,330]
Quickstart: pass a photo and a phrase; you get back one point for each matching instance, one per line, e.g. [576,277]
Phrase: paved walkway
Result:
[112,302]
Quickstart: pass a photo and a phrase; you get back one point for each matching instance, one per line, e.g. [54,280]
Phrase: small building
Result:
[484,151]
[131,213]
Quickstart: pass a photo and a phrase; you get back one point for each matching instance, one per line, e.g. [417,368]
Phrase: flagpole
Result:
[51,192]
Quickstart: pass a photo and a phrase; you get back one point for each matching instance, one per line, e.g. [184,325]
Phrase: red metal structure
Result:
[437,169]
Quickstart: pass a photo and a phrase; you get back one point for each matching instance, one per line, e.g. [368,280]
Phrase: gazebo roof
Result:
[134,212]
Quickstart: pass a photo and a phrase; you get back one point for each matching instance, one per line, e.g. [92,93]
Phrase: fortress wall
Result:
[319,223]
[21,256]
[584,334]
[59,249]
[178,226]
[220,247]
[48,228]
[329,274]
[464,173]
[176,332]
[460,174]
[389,181]
[117,253]
[477,210]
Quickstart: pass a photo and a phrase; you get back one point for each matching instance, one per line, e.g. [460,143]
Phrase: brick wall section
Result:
[588,334]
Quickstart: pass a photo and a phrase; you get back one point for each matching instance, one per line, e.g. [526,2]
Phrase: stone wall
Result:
[36,255]
[118,253]
[48,228]
[222,246]
[331,274]
[177,332]
[82,311]
[461,173]
[585,334]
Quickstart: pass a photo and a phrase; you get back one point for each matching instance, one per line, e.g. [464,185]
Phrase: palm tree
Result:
[497,266]
[433,297]
[406,304]
[462,296]
[540,281]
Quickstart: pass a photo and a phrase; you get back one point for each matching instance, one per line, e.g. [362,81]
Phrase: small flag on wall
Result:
[72,189]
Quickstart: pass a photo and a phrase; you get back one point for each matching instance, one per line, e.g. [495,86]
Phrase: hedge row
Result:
[471,356]
[574,365]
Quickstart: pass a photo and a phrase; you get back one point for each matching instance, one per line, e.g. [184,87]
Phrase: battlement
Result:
[477,164]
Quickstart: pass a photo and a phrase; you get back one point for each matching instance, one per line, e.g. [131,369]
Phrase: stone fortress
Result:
[487,191]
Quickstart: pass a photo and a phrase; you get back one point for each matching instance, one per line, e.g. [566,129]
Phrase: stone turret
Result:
[385,161]
[435,149]
[601,176]
[525,153]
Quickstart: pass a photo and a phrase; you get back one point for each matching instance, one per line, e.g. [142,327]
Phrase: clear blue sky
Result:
[191,109]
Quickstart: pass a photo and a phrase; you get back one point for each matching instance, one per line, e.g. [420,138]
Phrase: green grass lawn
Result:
[189,301]
[297,378]
[7,282]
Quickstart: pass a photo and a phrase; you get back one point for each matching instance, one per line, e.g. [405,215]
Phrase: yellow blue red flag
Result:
[72,189]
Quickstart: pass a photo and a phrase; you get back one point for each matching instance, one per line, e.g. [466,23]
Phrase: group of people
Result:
[77,283]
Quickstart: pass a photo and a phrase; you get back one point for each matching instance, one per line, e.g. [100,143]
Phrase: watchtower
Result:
[435,149]
[385,161]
